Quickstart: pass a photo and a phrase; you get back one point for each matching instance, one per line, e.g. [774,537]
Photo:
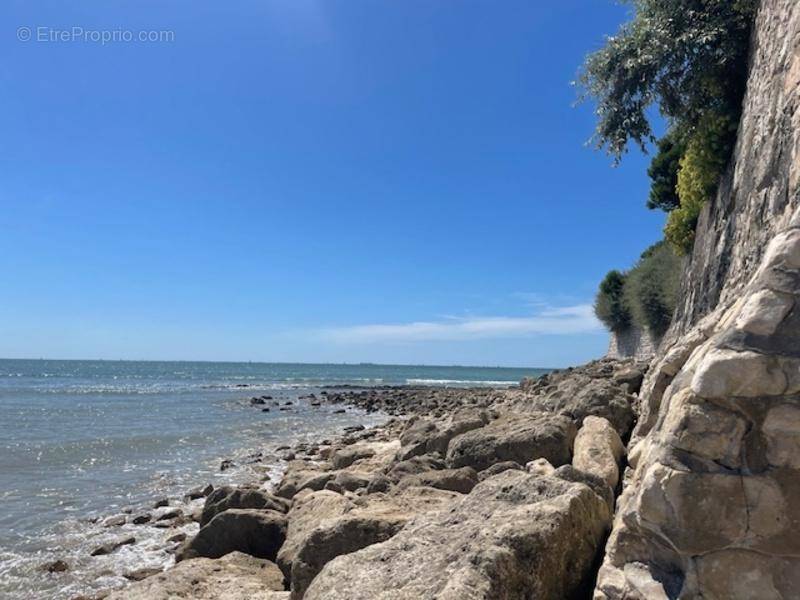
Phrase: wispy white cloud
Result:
[547,320]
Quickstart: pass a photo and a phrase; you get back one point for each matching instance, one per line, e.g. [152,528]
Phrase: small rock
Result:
[57,566]
[171,514]
[540,466]
[112,546]
[115,521]
[199,492]
[140,574]
[142,519]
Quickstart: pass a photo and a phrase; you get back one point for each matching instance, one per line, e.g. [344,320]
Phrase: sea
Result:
[83,443]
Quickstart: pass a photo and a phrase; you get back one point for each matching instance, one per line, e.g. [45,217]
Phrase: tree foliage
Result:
[698,176]
[651,288]
[663,171]
[645,296]
[610,306]
[688,57]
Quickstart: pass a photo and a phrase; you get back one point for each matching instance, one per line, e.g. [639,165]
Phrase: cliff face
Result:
[633,343]
[710,504]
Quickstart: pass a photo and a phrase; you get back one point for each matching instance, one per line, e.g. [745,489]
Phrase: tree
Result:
[663,172]
[688,57]
[610,306]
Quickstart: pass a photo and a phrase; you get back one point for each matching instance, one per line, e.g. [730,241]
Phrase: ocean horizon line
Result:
[269,362]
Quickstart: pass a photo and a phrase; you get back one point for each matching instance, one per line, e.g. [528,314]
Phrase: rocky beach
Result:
[461,493]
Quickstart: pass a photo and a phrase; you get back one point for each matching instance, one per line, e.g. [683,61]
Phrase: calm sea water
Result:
[81,441]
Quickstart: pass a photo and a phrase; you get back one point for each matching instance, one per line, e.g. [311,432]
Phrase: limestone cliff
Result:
[710,505]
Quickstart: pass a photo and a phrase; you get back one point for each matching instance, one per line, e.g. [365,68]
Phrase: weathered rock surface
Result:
[307,513]
[240,497]
[455,480]
[710,509]
[520,437]
[515,536]
[583,391]
[259,533]
[361,523]
[235,576]
[598,450]
[431,436]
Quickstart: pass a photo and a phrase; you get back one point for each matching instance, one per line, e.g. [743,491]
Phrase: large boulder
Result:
[301,475]
[259,533]
[598,450]
[429,436]
[455,480]
[235,576]
[415,466]
[243,497]
[306,513]
[578,393]
[371,520]
[517,536]
[514,437]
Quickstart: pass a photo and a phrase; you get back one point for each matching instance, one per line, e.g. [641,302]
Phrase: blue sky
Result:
[308,180]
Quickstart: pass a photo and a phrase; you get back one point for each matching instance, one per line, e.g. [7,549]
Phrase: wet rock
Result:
[112,546]
[115,521]
[235,576]
[259,533]
[228,497]
[161,502]
[141,574]
[199,492]
[56,566]
[171,514]
[257,401]
[514,437]
[514,536]
[142,519]
[226,464]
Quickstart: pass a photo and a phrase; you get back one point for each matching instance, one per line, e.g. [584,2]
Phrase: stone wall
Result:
[710,505]
[633,343]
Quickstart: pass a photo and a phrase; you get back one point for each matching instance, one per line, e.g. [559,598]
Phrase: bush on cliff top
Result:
[645,296]
[651,288]
[610,305]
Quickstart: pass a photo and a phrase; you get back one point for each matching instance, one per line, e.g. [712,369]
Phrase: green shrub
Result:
[698,176]
[610,305]
[663,171]
[651,288]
